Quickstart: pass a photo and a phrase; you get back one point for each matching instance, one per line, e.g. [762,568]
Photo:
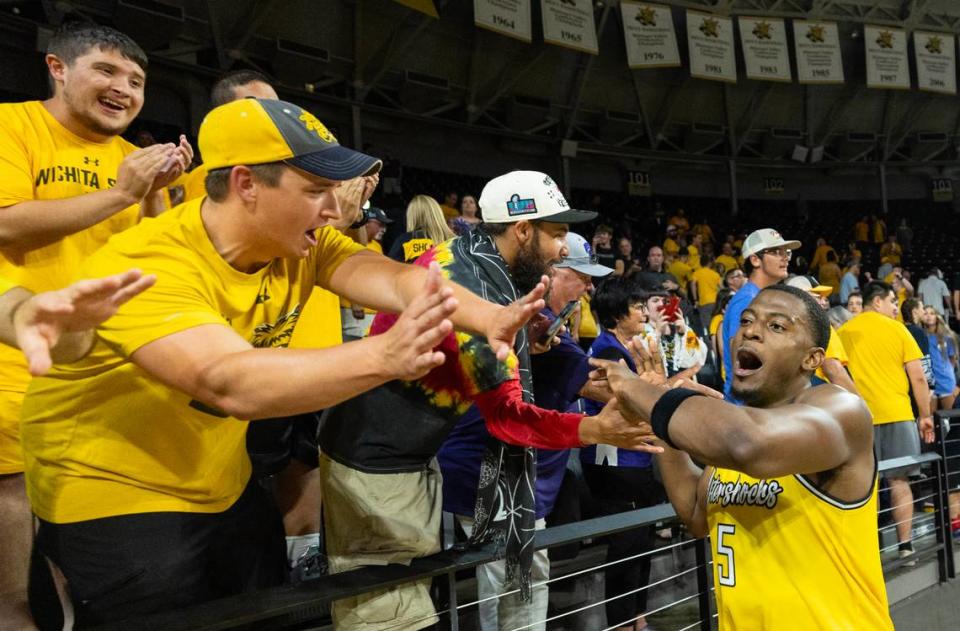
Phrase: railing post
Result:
[942,502]
[703,583]
[452,601]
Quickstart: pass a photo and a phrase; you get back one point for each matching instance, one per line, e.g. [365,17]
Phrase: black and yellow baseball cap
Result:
[258,131]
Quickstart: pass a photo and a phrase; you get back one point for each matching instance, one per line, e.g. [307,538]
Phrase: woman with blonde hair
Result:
[426,227]
[943,357]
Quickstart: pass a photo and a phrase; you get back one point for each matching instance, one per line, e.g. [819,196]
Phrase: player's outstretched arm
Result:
[217,367]
[686,486]
[58,325]
[820,431]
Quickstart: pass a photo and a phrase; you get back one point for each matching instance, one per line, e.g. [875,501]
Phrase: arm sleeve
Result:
[511,420]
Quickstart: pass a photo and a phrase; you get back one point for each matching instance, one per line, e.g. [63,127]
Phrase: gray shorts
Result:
[896,440]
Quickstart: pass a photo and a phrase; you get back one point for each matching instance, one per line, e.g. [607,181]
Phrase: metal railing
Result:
[285,606]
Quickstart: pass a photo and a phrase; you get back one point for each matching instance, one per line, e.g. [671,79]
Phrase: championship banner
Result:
[710,41]
[936,57]
[817,45]
[649,35]
[765,54]
[887,65]
[507,17]
[570,23]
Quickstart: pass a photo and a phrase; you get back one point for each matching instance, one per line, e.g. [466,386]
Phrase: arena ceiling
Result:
[381,56]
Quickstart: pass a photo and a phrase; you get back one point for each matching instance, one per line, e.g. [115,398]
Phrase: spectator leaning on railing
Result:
[885,362]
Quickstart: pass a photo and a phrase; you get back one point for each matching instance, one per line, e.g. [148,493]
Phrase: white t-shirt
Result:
[932,291]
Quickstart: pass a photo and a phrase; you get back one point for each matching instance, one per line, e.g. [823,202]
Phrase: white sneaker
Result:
[908,553]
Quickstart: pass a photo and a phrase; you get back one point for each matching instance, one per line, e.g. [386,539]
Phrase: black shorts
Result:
[272,443]
[130,565]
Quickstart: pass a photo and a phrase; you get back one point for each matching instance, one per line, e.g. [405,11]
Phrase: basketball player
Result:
[788,495]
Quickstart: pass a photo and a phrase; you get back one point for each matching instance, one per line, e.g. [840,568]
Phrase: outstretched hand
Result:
[610,427]
[502,329]
[408,347]
[42,320]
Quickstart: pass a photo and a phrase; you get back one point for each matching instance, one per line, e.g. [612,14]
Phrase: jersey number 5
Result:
[726,574]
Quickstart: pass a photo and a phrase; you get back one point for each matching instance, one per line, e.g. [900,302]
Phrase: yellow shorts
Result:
[11,451]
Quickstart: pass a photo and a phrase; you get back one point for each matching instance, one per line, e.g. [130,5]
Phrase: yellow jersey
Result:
[877,349]
[681,271]
[319,325]
[5,285]
[788,556]
[101,437]
[43,160]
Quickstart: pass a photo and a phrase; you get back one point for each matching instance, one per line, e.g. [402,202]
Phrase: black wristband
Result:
[663,411]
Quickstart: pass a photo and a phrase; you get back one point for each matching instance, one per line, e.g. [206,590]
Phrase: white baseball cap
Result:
[581,258]
[765,239]
[809,284]
[527,195]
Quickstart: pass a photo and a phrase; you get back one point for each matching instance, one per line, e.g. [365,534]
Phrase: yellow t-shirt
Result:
[715,323]
[5,285]
[449,212]
[708,284]
[681,271]
[670,246]
[861,230]
[193,183]
[693,256]
[319,325]
[42,160]
[788,556]
[878,347]
[101,437]
[835,351]
[729,263]
[879,231]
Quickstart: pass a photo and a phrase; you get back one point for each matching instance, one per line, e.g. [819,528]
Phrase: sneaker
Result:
[905,554]
[311,565]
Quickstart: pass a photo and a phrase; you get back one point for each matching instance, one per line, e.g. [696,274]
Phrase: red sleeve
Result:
[511,420]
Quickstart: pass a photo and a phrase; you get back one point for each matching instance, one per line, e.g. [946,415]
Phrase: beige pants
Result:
[377,519]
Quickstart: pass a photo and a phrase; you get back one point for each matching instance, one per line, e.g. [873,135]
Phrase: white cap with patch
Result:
[530,196]
[766,239]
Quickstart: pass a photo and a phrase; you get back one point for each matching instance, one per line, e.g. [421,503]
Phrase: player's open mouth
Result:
[111,105]
[747,363]
[311,236]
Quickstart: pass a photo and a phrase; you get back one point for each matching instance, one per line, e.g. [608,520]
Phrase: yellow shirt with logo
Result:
[708,284]
[102,437]
[877,348]
[42,160]
[788,556]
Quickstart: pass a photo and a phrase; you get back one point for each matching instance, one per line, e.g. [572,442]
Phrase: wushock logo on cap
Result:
[313,124]
[517,206]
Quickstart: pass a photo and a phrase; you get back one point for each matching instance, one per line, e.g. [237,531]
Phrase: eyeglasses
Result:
[782,253]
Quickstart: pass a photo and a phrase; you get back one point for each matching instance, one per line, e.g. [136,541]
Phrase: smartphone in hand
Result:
[562,319]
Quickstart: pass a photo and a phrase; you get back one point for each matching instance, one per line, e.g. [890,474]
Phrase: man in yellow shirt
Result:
[788,495]
[727,259]
[68,181]
[705,282]
[670,243]
[679,266]
[885,362]
[135,455]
